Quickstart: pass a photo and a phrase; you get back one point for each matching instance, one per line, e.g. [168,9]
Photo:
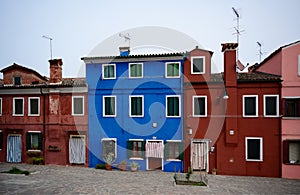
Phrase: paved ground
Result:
[76,180]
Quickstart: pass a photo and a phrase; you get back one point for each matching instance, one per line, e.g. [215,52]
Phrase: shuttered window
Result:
[250,105]
[18,106]
[254,149]
[78,105]
[135,70]
[173,150]
[198,65]
[172,70]
[135,149]
[136,106]
[34,141]
[199,106]
[33,106]
[109,106]
[291,151]
[291,107]
[109,71]
[173,106]
[271,105]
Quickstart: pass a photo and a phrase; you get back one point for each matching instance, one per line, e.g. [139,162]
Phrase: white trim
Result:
[29,106]
[82,97]
[103,105]
[179,97]
[193,103]
[207,141]
[78,136]
[129,70]
[174,141]
[34,132]
[277,105]
[256,105]
[166,69]
[291,97]
[104,65]
[18,98]
[261,149]
[138,140]
[192,62]
[147,158]
[131,96]
[1,104]
[135,158]
[33,150]
[110,139]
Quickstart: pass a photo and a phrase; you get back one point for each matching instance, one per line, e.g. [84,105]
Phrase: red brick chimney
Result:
[55,70]
[229,50]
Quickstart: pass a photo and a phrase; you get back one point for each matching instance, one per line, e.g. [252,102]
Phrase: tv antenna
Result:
[237,29]
[50,40]
[126,37]
[260,53]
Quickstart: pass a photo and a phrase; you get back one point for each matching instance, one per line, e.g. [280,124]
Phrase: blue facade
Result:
[123,96]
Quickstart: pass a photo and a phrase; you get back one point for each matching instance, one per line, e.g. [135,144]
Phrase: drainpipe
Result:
[44,123]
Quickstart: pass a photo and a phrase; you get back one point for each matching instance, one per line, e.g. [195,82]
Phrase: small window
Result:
[199,106]
[136,149]
[34,106]
[173,106]
[109,106]
[250,105]
[0,106]
[78,105]
[271,105]
[1,140]
[174,150]
[34,141]
[18,106]
[291,151]
[108,71]
[291,107]
[17,81]
[135,70]
[136,106]
[109,146]
[198,65]
[254,149]
[172,70]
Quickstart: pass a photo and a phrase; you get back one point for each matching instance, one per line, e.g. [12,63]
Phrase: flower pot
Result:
[122,167]
[134,169]
[108,167]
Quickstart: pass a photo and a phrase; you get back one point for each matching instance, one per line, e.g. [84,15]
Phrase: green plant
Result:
[123,162]
[36,161]
[100,166]
[15,170]
[34,153]
[134,164]
[109,158]
[188,174]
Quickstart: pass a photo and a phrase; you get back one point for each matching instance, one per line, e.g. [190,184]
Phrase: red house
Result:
[45,116]
[232,120]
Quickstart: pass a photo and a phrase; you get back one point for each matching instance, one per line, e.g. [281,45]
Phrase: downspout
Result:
[44,123]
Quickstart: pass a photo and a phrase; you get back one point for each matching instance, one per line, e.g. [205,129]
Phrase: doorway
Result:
[14,148]
[154,154]
[199,154]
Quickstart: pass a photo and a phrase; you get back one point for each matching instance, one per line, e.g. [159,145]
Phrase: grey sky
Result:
[78,26]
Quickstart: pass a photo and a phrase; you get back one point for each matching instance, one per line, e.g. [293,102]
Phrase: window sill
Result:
[292,164]
[175,160]
[290,118]
[136,158]
[33,150]
[250,160]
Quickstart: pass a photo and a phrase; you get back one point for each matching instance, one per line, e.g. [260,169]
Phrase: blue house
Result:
[135,107]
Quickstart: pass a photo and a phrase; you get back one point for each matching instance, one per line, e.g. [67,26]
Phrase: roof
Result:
[229,46]
[248,77]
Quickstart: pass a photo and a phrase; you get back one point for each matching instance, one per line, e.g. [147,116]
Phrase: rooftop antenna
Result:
[50,39]
[237,29]
[126,37]
[260,53]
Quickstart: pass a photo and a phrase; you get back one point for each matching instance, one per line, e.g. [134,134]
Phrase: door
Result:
[14,148]
[199,155]
[154,154]
[77,149]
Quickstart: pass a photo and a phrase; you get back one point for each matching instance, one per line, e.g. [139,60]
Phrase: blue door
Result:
[14,148]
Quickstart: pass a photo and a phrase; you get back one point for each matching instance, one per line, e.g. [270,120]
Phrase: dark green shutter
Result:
[40,147]
[181,150]
[1,140]
[143,148]
[166,151]
[28,141]
[129,149]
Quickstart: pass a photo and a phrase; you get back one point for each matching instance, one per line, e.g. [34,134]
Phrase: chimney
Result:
[230,75]
[124,51]
[55,70]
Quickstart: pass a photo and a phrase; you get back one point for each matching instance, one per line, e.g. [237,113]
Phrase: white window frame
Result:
[261,149]
[1,104]
[110,139]
[131,96]
[277,105]
[29,106]
[166,69]
[103,66]
[103,105]
[129,72]
[192,63]
[174,141]
[178,105]
[256,105]
[199,96]
[136,140]
[82,97]
[17,98]
[32,132]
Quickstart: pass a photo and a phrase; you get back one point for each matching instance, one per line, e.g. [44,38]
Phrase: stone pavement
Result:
[52,179]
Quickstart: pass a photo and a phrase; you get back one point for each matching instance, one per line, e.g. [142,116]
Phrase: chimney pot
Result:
[124,51]
[55,70]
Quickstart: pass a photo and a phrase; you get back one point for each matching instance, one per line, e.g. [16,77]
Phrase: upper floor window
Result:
[199,106]
[0,106]
[34,106]
[18,106]
[78,105]
[34,140]
[172,69]
[254,149]
[198,65]
[108,71]
[271,105]
[173,106]
[136,70]
[250,106]
[136,106]
[109,106]
[291,107]
[17,81]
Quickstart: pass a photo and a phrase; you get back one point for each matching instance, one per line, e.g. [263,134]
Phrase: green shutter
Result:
[181,151]
[139,106]
[28,141]
[1,140]
[143,149]
[176,69]
[166,151]
[40,147]
[139,70]
[176,106]
[129,149]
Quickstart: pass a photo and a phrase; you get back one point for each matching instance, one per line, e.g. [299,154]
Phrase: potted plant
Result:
[134,166]
[214,171]
[109,158]
[122,166]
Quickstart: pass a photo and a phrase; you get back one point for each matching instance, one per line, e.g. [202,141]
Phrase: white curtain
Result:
[155,149]
[199,155]
[77,150]
[14,149]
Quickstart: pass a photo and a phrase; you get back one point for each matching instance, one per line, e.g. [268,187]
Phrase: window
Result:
[250,106]
[18,106]
[199,106]
[135,70]
[198,65]
[109,106]
[271,105]
[136,149]
[291,107]
[108,71]
[109,146]
[34,106]
[78,105]
[1,140]
[0,106]
[173,150]
[17,81]
[254,149]
[136,106]
[173,106]
[298,65]
[172,70]
[291,151]
[34,140]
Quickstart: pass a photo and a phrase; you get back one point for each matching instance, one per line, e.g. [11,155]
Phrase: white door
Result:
[154,154]
[14,148]
[77,149]
[199,155]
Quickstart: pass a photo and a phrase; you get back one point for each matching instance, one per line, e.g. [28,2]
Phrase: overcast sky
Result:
[77,27]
